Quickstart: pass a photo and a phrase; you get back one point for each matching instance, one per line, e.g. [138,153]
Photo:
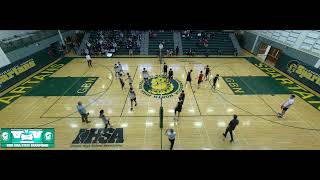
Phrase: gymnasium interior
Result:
[44,74]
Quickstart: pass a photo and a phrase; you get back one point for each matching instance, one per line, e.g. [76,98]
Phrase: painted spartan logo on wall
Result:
[99,136]
[292,66]
[159,85]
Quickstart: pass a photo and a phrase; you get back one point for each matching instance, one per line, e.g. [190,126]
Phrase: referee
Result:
[171,136]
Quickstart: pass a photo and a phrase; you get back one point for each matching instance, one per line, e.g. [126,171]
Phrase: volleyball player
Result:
[133,97]
[286,105]
[182,96]
[178,109]
[145,75]
[165,69]
[232,125]
[116,69]
[170,76]
[129,78]
[121,81]
[189,78]
[200,79]
[130,85]
[207,72]
[105,119]
[215,79]
[88,58]
[120,68]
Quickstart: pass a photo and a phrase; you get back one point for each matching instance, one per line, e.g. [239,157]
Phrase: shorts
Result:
[177,109]
[199,81]
[285,109]
[134,99]
[214,83]
[170,77]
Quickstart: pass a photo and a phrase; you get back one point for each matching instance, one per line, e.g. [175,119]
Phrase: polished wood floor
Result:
[203,119]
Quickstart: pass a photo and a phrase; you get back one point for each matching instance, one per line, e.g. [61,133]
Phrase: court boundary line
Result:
[185,70]
[125,102]
[84,106]
[29,77]
[213,115]
[59,97]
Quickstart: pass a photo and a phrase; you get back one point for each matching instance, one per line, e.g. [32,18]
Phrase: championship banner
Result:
[306,74]
[27,138]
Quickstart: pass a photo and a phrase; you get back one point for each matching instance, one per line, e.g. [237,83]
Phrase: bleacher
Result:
[121,45]
[161,36]
[220,40]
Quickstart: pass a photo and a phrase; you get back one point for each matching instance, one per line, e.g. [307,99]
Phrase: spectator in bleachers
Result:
[205,43]
[190,53]
[111,41]
[86,51]
[199,35]
[130,51]
[168,51]
[177,50]
[188,35]
[88,44]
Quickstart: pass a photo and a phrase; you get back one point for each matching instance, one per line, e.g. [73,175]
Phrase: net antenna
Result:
[161,116]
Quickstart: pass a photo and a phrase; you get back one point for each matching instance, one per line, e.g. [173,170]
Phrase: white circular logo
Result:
[5,136]
[48,136]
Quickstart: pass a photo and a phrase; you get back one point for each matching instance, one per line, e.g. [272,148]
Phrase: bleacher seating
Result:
[114,36]
[167,37]
[220,40]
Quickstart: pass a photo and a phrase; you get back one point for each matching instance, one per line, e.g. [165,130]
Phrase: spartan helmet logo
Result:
[48,136]
[5,136]
[292,66]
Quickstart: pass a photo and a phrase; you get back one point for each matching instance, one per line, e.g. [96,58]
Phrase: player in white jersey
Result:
[133,97]
[130,80]
[116,69]
[120,68]
[285,106]
[130,85]
[145,75]
[88,58]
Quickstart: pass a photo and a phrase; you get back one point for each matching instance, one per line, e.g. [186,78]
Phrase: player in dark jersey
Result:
[178,109]
[121,81]
[165,69]
[189,78]
[207,72]
[215,79]
[133,97]
[170,77]
[200,79]
[182,96]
